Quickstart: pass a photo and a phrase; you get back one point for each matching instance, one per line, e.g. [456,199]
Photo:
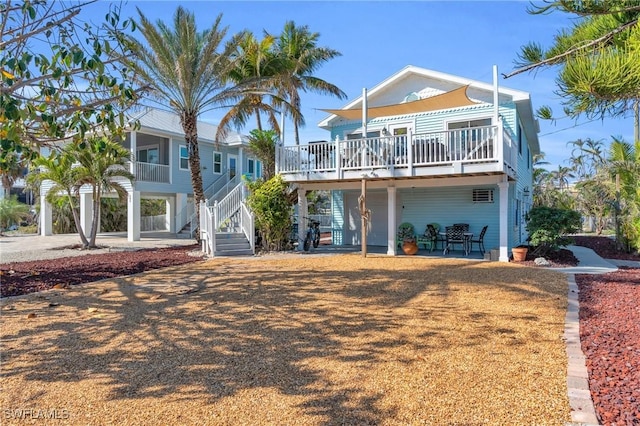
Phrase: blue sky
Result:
[379,38]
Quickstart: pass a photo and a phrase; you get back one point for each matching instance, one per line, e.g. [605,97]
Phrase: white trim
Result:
[213,162]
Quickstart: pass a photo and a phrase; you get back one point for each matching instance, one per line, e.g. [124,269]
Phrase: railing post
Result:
[338,158]
[500,142]
[410,151]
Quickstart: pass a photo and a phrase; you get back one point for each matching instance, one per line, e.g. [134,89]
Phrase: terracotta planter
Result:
[410,247]
[519,254]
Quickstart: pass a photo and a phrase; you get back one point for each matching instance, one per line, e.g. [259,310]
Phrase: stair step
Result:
[232,244]
[238,252]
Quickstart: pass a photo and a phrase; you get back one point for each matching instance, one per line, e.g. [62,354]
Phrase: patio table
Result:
[466,244]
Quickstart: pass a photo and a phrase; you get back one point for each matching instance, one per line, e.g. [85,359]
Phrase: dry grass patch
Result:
[298,340]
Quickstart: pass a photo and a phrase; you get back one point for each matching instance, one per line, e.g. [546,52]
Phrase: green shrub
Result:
[12,212]
[549,227]
[271,208]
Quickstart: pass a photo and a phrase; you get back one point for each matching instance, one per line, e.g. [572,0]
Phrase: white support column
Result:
[302,216]
[181,209]
[170,214]
[391,221]
[504,221]
[86,212]
[241,161]
[46,217]
[133,216]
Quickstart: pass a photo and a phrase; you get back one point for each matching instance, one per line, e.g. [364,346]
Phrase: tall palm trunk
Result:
[76,221]
[95,217]
[258,120]
[189,120]
[297,133]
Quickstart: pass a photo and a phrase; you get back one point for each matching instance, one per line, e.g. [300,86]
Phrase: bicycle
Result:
[313,235]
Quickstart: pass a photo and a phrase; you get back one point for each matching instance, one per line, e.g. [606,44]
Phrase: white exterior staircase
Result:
[226,223]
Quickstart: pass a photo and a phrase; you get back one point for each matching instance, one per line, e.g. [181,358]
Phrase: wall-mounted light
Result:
[526,191]
[384,132]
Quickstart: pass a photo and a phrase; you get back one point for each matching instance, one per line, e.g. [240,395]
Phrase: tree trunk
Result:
[297,133]
[95,217]
[76,220]
[189,121]
[258,120]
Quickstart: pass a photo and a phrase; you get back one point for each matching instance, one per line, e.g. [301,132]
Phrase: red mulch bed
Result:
[605,247]
[28,277]
[562,258]
[610,335]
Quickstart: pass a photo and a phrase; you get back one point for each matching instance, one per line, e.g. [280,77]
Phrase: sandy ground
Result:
[298,340]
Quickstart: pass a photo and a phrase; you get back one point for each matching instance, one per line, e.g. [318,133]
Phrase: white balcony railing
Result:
[148,172]
[476,145]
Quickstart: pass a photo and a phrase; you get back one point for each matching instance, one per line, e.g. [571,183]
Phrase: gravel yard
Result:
[298,340]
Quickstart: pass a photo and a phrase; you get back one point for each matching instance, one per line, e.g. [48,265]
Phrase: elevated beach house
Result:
[423,147]
[161,169]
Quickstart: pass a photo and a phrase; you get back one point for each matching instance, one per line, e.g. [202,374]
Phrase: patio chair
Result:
[429,238]
[454,235]
[479,240]
[439,237]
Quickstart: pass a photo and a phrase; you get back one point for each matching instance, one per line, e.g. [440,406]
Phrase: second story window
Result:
[519,139]
[217,162]
[149,155]
[184,158]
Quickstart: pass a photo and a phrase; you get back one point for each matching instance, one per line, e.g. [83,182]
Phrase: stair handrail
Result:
[219,182]
[248,225]
[229,205]
[215,187]
[207,233]
[224,191]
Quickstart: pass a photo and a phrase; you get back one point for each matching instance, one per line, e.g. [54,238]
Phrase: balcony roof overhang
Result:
[453,99]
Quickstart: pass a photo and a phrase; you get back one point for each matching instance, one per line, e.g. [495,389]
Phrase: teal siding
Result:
[447,206]
[435,121]
[337,217]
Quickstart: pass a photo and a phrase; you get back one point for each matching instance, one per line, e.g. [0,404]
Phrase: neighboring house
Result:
[438,148]
[161,169]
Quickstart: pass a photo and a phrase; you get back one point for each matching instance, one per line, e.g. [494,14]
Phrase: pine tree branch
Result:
[558,58]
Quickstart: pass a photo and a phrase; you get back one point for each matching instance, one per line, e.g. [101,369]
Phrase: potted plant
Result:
[520,253]
[408,237]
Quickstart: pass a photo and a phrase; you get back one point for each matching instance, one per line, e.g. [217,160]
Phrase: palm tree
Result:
[59,168]
[254,63]
[262,144]
[185,70]
[562,176]
[102,167]
[624,161]
[10,170]
[298,48]
[11,211]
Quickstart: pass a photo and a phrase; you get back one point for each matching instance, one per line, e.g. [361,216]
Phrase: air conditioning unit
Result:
[483,195]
